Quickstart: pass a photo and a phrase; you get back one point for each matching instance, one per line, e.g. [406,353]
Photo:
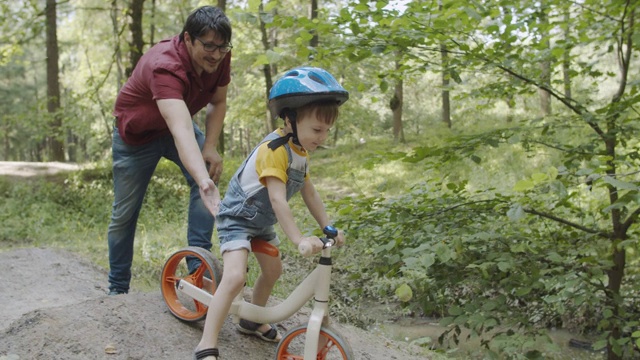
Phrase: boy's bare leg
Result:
[270,271]
[235,269]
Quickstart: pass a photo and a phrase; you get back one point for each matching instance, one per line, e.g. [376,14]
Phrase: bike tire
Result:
[291,347]
[175,270]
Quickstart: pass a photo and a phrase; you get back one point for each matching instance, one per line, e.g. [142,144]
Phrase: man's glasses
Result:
[209,47]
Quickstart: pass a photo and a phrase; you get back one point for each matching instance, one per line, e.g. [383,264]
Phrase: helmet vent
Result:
[316,78]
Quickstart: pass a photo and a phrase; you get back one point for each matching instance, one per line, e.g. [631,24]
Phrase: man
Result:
[174,80]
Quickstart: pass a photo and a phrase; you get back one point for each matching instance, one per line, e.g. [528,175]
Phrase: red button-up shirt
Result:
[165,71]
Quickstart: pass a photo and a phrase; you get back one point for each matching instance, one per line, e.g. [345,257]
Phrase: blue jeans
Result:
[133,167]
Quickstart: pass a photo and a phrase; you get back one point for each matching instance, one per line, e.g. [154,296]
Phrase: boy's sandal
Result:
[251,328]
[206,354]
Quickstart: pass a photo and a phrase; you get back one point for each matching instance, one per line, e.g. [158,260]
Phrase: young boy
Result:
[257,197]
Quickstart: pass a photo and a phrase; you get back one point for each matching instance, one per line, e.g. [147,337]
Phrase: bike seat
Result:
[262,246]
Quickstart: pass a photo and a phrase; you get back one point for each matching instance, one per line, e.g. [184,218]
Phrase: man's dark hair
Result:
[204,19]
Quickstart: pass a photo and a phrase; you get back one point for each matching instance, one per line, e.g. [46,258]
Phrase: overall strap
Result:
[270,137]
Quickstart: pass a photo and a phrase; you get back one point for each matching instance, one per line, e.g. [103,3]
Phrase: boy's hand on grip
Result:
[310,245]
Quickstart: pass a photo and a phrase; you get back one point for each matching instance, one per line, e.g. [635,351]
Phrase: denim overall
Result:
[242,218]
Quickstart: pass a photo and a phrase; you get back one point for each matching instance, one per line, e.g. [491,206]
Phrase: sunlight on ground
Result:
[390,178]
[28,169]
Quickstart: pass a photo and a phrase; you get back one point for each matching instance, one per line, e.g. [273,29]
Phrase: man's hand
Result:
[210,196]
[214,163]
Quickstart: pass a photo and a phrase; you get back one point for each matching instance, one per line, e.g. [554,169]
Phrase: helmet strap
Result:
[291,115]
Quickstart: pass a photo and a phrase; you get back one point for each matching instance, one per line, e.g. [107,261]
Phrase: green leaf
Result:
[384,86]
[516,212]
[305,35]
[273,56]
[538,177]
[455,310]
[523,185]
[261,60]
[361,8]
[472,13]
[620,185]
[455,76]
[504,266]
[523,291]
[446,321]
[557,52]
[490,323]
[404,293]
[428,260]
[555,257]
[600,344]
[270,5]
[489,305]
[444,252]
[254,5]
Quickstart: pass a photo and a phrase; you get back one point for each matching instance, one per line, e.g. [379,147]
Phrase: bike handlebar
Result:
[306,249]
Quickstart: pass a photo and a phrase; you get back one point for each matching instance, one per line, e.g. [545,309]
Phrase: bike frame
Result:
[315,285]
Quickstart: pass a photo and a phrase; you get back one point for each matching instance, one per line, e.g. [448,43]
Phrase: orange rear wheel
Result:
[207,277]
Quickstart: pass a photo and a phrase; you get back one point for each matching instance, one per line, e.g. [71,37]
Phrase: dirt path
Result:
[29,169]
[54,307]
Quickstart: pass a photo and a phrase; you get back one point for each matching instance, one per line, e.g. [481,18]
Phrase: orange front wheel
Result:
[331,345]
[207,277]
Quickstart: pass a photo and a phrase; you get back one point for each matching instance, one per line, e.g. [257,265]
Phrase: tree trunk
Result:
[615,274]
[152,27]
[446,103]
[566,58]
[511,104]
[396,105]
[56,143]
[545,67]
[222,4]
[136,44]
[268,71]
[313,14]
[115,28]
[116,37]
[545,97]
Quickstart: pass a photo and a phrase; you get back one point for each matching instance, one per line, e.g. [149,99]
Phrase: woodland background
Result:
[486,163]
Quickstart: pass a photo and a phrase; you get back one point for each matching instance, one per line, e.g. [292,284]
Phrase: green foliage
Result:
[508,220]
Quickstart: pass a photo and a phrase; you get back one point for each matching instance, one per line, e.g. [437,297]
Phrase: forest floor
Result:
[53,305]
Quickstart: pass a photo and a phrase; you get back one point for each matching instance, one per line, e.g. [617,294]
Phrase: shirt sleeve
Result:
[271,163]
[165,85]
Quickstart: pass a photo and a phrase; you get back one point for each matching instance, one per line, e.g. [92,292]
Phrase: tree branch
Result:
[630,221]
[568,223]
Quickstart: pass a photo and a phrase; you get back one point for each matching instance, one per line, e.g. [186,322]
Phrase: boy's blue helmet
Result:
[303,85]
